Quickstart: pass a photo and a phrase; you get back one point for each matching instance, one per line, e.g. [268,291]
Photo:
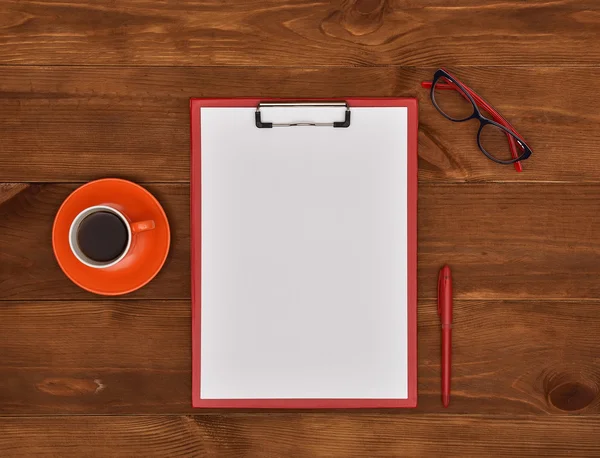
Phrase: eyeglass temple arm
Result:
[483,104]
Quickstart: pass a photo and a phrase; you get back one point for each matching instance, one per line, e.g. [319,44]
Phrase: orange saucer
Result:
[145,258]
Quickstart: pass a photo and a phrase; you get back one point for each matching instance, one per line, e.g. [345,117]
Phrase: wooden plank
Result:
[297,33]
[503,240]
[517,241]
[117,357]
[77,124]
[103,357]
[291,434]
[29,269]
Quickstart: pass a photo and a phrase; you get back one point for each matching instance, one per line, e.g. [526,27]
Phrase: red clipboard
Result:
[196,199]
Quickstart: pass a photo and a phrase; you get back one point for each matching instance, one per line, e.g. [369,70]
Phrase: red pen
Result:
[445,313]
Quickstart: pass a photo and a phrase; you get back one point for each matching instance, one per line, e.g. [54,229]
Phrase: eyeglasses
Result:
[459,103]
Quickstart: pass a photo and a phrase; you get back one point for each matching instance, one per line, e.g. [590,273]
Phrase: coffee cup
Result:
[101,236]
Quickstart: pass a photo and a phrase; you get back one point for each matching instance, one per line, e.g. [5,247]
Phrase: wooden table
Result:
[92,89]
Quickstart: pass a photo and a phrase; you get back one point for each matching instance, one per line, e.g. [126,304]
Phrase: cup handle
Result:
[142,226]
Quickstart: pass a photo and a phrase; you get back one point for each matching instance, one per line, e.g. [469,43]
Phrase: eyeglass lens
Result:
[451,100]
[495,142]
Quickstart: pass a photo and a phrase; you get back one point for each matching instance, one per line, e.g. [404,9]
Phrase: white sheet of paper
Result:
[304,256]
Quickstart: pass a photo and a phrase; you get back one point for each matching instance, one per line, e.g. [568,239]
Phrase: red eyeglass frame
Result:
[487,107]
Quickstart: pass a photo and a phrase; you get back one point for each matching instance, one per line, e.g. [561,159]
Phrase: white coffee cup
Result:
[132,230]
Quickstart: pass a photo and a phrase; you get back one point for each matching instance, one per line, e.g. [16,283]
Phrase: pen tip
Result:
[446,400]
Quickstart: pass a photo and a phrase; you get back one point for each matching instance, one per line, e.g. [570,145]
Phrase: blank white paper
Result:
[304,256]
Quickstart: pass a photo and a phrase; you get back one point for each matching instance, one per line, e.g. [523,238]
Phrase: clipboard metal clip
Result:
[267,125]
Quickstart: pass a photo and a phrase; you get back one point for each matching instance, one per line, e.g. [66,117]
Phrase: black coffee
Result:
[102,236]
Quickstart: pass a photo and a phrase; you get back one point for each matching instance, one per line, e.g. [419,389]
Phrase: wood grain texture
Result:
[104,357]
[78,124]
[517,241]
[297,33]
[291,434]
[504,241]
[109,357]
[28,267]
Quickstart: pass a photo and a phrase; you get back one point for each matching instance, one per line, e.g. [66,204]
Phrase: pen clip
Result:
[439,293]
